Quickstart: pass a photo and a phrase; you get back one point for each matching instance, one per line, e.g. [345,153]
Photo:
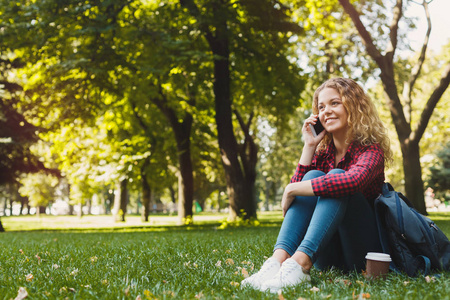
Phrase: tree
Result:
[16,137]
[400,103]
[16,133]
[39,188]
[237,34]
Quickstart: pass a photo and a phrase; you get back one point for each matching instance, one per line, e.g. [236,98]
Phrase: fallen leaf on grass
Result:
[55,266]
[169,293]
[74,272]
[365,295]
[314,289]
[21,294]
[234,283]
[360,296]
[244,272]
[344,281]
[280,295]
[21,251]
[149,295]
[429,279]
[405,283]
[138,297]
[38,258]
[94,259]
[199,295]
[229,262]
[218,263]
[29,277]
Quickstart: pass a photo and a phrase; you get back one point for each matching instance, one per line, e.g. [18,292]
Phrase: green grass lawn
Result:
[168,262]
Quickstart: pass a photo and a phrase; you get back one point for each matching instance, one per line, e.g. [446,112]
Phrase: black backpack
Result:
[415,243]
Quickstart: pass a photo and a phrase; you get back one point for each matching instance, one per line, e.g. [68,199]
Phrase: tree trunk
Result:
[40,210]
[71,208]
[413,176]
[13,193]
[80,210]
[173,194]
[182,132]
[240,180]
[186,177]
[123,198]
[1,226]
[23,201]
[89,205]
[5,205]
[146,197]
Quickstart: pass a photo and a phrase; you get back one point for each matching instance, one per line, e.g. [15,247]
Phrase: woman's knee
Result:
[336,171]
[313,174]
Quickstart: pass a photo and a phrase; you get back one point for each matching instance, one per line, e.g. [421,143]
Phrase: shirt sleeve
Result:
[300,171]
[368,165]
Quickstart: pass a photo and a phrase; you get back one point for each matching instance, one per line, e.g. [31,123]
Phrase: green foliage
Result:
[241,221]
[439,178]
[17,134]
[40,188]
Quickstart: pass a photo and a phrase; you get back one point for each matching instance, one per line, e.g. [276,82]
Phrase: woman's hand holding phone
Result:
[313,130]
[317,128]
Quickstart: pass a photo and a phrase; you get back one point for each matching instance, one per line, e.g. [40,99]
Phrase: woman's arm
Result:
[301,188]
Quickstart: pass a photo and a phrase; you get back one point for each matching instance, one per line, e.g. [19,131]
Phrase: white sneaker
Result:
[290,274]
[267,271]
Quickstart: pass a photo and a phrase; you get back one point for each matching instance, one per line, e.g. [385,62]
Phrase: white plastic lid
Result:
[378,256]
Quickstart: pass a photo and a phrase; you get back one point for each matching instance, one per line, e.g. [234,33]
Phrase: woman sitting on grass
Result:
[328,206]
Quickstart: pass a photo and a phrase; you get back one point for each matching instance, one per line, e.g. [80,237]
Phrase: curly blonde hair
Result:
[365,125]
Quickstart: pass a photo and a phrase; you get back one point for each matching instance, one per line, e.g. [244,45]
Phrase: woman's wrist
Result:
[307,155]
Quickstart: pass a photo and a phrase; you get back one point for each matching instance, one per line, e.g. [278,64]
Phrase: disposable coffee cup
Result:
[377,265]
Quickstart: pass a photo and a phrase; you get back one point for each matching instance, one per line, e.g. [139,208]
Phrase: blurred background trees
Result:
[183,102]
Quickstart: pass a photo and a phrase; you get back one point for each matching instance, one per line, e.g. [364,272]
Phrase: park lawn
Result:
[168,262]
[107,222]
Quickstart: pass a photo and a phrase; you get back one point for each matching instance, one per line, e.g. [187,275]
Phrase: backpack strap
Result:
[426,264]
[386,188]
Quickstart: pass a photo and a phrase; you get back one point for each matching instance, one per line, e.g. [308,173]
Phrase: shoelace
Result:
[284,273]
[268,269]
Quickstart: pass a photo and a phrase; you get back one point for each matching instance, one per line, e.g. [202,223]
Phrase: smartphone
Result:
[317,128]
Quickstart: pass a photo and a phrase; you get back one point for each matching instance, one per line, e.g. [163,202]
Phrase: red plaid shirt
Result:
[363,166]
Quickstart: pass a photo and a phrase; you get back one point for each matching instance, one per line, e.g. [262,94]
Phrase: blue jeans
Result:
[332,232]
